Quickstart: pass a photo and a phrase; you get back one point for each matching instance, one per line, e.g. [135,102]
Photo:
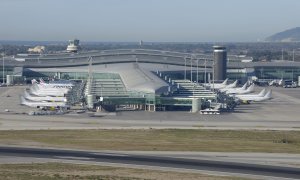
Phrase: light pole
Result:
[3,69]
[213,74]
[184,68]
[191,68]
[293,55]
[197,71]
[205,71]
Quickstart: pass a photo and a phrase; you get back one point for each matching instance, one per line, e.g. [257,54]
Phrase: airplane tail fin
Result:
[33,91]
[22,99]
[280,82]
[225,81]
[26,94]
[234,84]
[34,81]
[251,88]
[42,81]
[262,93]
[268,94]
[245,86]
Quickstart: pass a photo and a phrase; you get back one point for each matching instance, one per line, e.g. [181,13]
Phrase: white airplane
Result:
[44,98]
[257,98]
[260,94]
[244,87]
[217,85]
[48,93]
[57,84]
[53,84]
[43,104]
[242,90]
[280,82]
[233,85]
[40,90]
[51,88]
[276,82]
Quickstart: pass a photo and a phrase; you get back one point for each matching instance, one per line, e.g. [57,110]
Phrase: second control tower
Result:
[220,62]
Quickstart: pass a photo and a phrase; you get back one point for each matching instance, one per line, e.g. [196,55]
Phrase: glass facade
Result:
[277,73]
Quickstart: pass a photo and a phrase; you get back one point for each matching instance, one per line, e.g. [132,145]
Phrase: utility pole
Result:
[191,68]
[294,55]
[197,70]
[184,68]
[205,71]
[3,69]
[214,63]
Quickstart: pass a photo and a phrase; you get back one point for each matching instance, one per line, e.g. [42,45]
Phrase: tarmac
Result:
[279,113]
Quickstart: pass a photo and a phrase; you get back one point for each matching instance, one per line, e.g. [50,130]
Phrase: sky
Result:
[147,20]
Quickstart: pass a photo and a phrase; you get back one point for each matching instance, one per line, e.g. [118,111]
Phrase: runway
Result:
[155,161]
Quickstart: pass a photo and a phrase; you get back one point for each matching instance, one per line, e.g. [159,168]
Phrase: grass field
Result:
[49,171]
[159,140]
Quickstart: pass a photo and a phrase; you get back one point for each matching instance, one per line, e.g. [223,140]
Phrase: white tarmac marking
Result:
[72,157]
[110,154]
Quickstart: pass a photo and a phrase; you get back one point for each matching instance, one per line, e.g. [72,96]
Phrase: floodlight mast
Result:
[90,71]
[3,68]
[185,68]
[191,68]
[197,70]
[205,71]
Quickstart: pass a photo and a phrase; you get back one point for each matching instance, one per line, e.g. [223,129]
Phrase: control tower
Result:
[73,46]
[220,62]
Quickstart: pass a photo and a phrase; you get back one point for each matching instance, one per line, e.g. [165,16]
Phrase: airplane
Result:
[53,84]
[40,90]
[241,90]
[217,85]
[260,94]
[57,84]
[44,98]
[234,89]
[47,93]
[257,98]
[51,88]
[233,85]
[43,104]
[34,81]
[276,82]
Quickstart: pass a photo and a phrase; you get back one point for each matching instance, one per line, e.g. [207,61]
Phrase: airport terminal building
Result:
[142,78]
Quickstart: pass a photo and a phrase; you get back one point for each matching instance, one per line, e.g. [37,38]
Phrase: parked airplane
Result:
[40,90]
[244,87]
[217,85]
[43,104]
[260,94]
[44,98]
[241,90]
[57,84]
[53,84]
[233,85]
[248,99]
[276,82]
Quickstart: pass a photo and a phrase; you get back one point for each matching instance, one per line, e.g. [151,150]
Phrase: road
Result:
[155,161]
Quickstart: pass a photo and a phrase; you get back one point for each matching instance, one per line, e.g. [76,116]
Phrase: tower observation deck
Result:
[73,46]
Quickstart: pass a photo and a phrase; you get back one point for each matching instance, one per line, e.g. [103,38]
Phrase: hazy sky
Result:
[148,20]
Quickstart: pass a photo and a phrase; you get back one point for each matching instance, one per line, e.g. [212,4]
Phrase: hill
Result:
[290,35]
